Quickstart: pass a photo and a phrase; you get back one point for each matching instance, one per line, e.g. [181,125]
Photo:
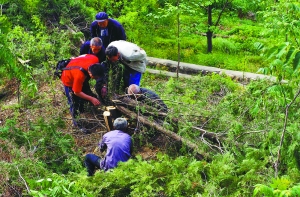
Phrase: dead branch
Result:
[134,103]
[214,137]
[28,190]
[158,127]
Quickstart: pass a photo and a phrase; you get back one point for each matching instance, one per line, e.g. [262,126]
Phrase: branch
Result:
[163,130]
[219,17]
[214,137]
[276,165]
[135,104]
[28,190]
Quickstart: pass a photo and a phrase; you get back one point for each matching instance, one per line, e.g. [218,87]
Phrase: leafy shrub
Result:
[48,144]
[165,176]
[225,46]
[279,187]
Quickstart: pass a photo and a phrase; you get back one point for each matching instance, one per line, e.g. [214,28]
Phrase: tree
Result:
[283,25]
[209,34]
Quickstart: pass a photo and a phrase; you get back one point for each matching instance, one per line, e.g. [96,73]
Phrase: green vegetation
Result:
[257,153]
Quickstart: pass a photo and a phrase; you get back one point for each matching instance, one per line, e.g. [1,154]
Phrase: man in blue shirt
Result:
[107,29]
[118,148]
[95,47]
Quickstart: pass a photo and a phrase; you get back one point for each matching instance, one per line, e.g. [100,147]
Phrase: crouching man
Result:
[118,148]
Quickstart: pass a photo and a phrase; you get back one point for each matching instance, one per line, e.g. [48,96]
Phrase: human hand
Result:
[95,101]
[103,91]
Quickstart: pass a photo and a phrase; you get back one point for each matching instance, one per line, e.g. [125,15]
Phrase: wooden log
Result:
[171,134]
[168,74]
[108,120]
[113,112]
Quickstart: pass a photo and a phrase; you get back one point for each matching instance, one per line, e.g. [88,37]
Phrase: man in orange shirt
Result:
[75,78]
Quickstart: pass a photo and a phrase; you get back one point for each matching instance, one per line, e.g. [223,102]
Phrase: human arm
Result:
[117,29]
[122,33]
[93,29]
[101,83]
[84,49]
[104,91]
[93,100]
[101,55]
[102,145]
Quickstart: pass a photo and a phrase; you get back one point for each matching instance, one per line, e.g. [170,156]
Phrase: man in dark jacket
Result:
[118,148]
[107,29]
[95,47]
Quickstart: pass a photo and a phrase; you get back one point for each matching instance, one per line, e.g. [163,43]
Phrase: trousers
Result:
[76,103]
[92,162]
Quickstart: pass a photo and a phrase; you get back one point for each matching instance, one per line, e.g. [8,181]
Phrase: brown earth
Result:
[51,103]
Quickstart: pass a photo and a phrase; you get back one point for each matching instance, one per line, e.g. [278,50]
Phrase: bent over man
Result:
[133,57]
[148,97]
[75,78]
[115,78]
[118,148]
[94,46]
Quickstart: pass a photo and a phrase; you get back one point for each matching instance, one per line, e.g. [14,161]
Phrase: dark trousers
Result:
[76,103]
[92,162]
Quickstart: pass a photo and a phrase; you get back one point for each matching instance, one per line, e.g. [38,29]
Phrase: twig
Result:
[28,190]
[211,136]
[276,164]
[211,146]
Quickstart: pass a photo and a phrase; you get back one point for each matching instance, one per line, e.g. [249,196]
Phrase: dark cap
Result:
[101,16]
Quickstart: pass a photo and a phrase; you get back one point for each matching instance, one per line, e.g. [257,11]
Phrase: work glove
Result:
[103,91]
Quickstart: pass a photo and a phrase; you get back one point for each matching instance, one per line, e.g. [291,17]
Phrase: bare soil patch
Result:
[51,103]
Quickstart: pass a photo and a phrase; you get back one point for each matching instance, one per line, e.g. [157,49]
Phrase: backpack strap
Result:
[77,67]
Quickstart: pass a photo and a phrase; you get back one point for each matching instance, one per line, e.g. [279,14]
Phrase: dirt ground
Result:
[57,106]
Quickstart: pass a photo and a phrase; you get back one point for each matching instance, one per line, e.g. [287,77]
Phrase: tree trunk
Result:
[209,33]
[156,126]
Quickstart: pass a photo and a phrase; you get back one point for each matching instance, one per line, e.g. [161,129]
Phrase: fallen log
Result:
[158,127]
[108,120]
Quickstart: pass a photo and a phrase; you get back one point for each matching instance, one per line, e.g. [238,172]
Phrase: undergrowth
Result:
[246,119]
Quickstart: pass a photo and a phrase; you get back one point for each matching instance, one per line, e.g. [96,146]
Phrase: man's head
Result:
[102,19]
[120,124]
[134,89]
[96,45]
[96,70]
[112,53]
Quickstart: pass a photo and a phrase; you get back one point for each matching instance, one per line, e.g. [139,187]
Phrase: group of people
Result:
[117,66]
